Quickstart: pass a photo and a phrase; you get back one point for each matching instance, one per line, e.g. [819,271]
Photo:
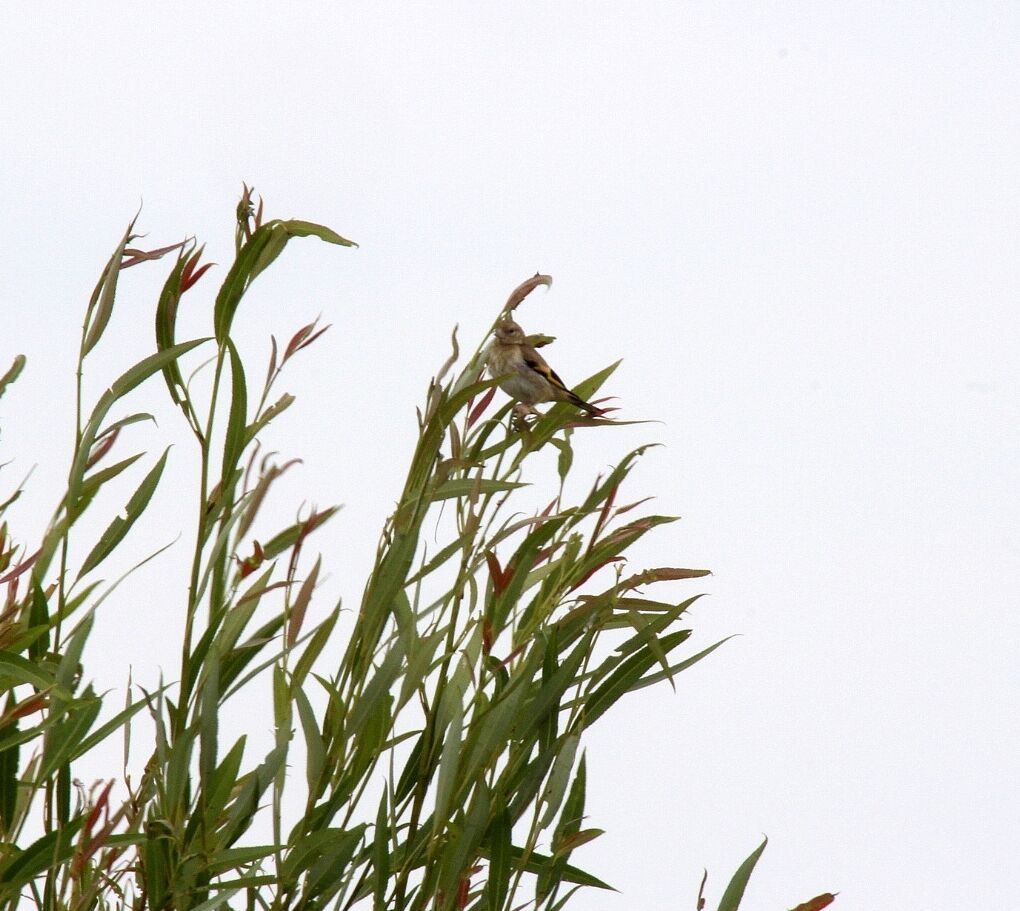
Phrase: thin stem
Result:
[196,565]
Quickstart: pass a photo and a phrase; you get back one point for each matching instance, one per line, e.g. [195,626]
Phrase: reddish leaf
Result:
[500,577]
[317,334]
[591,572]
[102,448]
[520,648]
[27,706]
[603,515]
[20,568]
[245,211]
[301,602]
[818,902]
[476,411]
[303,338]
[247,596]
[101,804]
[662,574]
[463,892]
[249,564]
[632,528]
[524,289]
[140,256]
[192,277]
[89,844]
[272,360]
[315,520]
[546,553]
[495,570]
[630,506]
[486,637]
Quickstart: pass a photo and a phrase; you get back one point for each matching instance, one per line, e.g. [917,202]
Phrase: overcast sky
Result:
[796,223]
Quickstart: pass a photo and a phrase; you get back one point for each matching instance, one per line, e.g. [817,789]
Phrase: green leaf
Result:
[420,662]
[258,253]
[449,760]
[101,306]
[559,778]
[12,374]
[493,730]
[91,485]
[539,863]
[227,891]
[623,679]
[217,790]
[106,729]
[499,843]
[209,720]
[298,228]
[166,320]
[277,408]
[9,784]
[675,669]
[314,648]
[70,663]
[234,442]
[64,739]
[121,525]
[50,851]
[467,487]
[315,746]
[323,855]
[124,384]
[231,858]
[21,670]
[566,456]
[246,804]
[377,688]
[735,890]
[381,852]
[464,849]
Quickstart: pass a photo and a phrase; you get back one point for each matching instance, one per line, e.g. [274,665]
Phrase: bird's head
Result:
[509,333]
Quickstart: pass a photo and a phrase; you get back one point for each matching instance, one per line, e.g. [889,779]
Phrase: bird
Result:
[523,373]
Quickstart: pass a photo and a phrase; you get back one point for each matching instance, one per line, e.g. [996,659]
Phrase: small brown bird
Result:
[525,374]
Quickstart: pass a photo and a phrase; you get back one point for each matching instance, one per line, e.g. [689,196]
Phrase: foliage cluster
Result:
[441,753]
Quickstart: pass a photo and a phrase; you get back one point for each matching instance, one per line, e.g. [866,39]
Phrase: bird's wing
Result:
[536,362]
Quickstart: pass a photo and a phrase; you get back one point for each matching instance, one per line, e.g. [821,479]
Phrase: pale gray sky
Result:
[797,224]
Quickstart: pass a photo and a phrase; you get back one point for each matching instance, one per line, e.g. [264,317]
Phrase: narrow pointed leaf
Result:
[735,890]
[107,290]
[121,525]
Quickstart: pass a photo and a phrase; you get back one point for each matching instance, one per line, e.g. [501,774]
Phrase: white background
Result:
[797,224]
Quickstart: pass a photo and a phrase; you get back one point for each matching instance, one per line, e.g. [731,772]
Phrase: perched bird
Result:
[524,375]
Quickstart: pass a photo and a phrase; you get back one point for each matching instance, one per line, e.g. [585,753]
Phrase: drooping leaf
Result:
[255,255]
[524,289]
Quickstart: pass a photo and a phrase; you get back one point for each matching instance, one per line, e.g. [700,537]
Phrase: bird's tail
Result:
[581,403]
